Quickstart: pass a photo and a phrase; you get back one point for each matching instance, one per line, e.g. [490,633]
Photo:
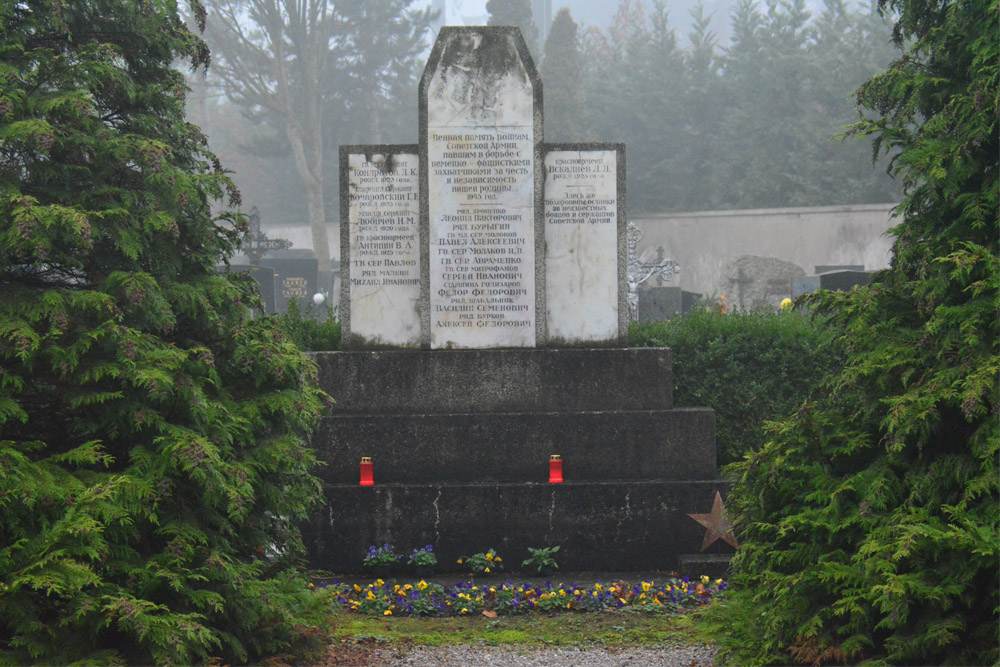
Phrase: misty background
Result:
[724,104]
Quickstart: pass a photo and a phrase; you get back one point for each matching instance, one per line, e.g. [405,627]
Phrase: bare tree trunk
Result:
[317,222]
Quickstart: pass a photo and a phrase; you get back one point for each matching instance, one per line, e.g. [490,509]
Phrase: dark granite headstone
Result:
[689,299]
[293,279]
[826,268]
[843,281]
[659,303]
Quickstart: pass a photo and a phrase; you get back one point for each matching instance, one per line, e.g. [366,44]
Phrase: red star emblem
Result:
[717,525]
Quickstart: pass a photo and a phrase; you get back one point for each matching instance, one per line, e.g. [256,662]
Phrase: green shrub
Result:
[308,330]
[750,367]
[153,436]
[870,519]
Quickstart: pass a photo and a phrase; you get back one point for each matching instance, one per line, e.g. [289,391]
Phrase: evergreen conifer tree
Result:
[518,13]
[153,435]
[870,521]
[561,74]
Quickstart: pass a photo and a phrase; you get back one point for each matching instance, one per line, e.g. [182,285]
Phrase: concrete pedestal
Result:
[460,441]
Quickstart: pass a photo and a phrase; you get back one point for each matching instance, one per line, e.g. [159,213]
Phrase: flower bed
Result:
[427,599]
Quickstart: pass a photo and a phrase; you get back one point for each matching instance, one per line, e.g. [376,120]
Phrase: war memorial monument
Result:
[484,317]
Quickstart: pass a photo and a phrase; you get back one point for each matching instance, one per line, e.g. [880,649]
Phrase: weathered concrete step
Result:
[610,525]
[450,381]
[515,447]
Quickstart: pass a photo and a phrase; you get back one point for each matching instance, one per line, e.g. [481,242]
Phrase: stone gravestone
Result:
[585,242]
[294,278]
[659,303]
[834,278]
[515,245]
[518,243]
[759,282]
[379,246]
[481,135]
[844,281]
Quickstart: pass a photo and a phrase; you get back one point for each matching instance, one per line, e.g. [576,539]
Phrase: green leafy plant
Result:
[381,556]
[541,558]
[483,562]
[423,557]
[311,331]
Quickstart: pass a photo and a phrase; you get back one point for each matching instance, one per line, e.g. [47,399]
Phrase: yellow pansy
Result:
[387,612]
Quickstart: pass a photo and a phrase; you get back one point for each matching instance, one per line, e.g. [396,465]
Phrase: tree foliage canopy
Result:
[749,123]
[309,70]
[870,521]
[517,13]
[152,434]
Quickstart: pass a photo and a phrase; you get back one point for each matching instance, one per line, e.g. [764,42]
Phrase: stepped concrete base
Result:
[479,381]
[595,446]
[618,525]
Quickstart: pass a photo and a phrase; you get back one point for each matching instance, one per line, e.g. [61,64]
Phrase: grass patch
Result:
[606,629]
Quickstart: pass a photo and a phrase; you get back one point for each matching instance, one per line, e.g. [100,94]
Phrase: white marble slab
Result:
[480,143]
[581,237]
[384,271]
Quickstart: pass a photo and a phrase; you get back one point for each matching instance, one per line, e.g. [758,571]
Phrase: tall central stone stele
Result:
[482,235]
[480,165]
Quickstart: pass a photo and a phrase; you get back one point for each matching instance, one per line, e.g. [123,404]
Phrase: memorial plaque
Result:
[481,132]
[584,235]
[380,262]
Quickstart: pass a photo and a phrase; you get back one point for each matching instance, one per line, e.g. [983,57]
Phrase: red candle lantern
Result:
[555,469]
[367,476]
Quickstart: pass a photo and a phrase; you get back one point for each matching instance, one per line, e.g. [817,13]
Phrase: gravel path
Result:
[472,656]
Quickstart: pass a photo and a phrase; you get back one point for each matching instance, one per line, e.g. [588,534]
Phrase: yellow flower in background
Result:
[489,556]
[786,303]
[459,561]
[387,612]
[487,570]
[704,579]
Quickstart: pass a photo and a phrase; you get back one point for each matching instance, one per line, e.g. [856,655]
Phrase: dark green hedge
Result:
[749,366]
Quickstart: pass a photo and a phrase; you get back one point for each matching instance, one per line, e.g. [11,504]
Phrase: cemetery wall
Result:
[704,243]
